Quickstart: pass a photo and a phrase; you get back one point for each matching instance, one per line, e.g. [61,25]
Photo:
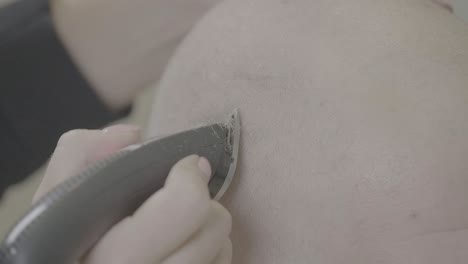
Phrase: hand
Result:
[177,225]
[122,45]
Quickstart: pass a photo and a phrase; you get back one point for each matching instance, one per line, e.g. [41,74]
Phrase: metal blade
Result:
[233,138]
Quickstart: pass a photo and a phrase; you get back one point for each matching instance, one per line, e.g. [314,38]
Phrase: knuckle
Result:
[222,215]
[71,135]
[185,172]
[193,197]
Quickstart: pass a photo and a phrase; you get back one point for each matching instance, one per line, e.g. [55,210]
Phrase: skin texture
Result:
[354,122]
[158,232]
[120,46]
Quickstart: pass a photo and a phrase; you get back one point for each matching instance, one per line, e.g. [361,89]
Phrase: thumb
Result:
[164,222]
[77,149]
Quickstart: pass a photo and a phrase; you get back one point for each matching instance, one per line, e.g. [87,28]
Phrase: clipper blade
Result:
[222,179]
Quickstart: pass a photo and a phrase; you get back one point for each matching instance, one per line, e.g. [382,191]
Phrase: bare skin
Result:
[355,116]
[120,46]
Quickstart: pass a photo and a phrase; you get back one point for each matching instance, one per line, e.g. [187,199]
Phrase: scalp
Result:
[354,118]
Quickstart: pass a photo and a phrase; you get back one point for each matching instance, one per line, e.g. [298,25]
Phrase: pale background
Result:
[17,199]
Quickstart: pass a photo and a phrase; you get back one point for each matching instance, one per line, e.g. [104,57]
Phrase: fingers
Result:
[208,242]
[225,255]
[167,220]
[76,149]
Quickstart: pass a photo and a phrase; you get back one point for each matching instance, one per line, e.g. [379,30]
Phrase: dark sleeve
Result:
[42,93]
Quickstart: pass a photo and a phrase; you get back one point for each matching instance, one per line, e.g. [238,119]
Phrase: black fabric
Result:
[42,93]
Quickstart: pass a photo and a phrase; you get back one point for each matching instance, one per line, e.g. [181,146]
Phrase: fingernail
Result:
[122,129]
[205,167]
